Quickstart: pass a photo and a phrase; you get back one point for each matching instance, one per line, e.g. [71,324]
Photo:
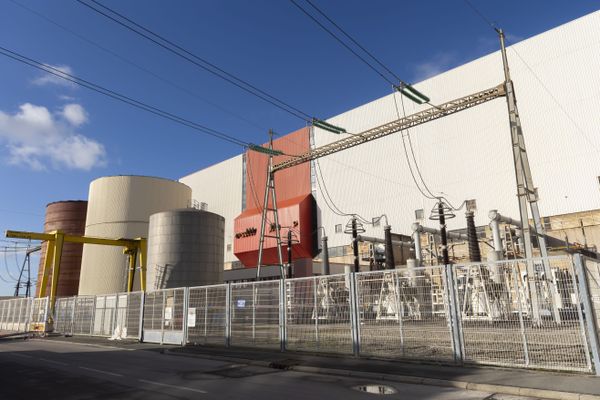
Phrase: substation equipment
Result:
[526,192]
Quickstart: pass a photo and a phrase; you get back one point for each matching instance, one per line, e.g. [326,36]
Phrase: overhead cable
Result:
[125,99]
[139,67]
[193,58]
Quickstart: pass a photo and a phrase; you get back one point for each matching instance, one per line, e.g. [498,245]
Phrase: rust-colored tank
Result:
[69,217]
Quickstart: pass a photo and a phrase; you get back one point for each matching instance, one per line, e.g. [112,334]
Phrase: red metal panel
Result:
[296,214]
[289,183]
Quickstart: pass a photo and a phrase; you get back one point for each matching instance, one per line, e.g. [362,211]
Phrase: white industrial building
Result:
[467,155]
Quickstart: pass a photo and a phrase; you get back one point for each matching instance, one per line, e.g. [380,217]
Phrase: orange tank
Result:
[68,217]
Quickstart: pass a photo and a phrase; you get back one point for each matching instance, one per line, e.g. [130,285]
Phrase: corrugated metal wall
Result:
[120,207]
[220,187]
[468,155]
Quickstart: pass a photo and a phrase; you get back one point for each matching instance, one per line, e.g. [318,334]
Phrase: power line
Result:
[333,35]
[125,99]
[353,40]
[195,59]
[139,67]
[535,75]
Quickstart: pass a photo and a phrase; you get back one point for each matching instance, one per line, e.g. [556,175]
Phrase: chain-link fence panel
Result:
[63,315]
[207,315]
[83,317]
[164,316]
[129,309]
[15,314]
[104,315]
[318,314]
[254,314]
[522,313]
[404,314]
[38,314]
[592,270]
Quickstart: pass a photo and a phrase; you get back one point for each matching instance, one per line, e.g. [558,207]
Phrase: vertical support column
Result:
[417,241]
[186,303]
[142,310]
[162,315]
[228,315]
[584,296]
[205,313]
[399,310]
[454,314]
[355,245]
[253,310]
[354,315]
[58,246]
[521,324]
[282,315]
[389,249]
[325,256]
[315,283]
[73,312]
[115,317]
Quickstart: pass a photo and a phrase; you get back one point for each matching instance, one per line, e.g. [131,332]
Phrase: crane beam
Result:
[409,121]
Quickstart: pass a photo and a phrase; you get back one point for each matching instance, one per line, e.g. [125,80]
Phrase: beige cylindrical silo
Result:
[120,207]
[185,248]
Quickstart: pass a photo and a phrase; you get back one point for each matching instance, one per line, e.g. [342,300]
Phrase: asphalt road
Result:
[46,369]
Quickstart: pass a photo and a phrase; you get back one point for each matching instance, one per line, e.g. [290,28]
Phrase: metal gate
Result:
[164,317]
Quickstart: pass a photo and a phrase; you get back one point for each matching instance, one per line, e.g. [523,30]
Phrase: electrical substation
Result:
[429,224]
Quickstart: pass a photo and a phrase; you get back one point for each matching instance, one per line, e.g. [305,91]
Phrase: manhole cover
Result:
[375,389]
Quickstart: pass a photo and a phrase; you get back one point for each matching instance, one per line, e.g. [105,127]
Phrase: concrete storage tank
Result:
[185,248]
[67,216]
[120,207]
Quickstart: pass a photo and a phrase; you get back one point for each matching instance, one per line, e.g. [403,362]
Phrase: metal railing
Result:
[117,315]
[20,314]
[506,313]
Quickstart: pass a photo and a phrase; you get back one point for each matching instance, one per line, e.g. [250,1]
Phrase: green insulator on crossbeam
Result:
[260,149]
[412,93]
[327,126]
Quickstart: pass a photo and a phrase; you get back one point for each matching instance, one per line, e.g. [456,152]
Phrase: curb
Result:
[482,387]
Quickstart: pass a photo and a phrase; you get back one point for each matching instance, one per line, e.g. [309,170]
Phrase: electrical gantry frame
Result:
[526,192]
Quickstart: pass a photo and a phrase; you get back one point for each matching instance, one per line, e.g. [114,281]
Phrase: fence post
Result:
[354,315]
[592,334]
[73,310]
[282,316]
[141,323]
[457,345]
[228,315]
[186,303]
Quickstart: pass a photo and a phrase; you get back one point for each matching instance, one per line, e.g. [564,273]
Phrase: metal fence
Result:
[165,312]
[513,314]
[318,314]
[117,315]
[255,314]
[207,315]
[536,313]
[405,315]
[15,314]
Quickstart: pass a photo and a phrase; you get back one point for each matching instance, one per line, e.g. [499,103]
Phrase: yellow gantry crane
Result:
[134,248]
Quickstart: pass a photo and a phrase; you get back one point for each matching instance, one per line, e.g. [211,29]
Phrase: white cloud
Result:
[37,138]
[49,79]
[75,114]
[441,62]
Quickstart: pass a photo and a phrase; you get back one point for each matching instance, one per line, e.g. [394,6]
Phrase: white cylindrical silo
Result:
[120,207]
[185,248]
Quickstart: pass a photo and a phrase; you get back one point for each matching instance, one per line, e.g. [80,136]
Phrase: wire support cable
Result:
[189,56]
[493,25]
[123,98]
[125,60]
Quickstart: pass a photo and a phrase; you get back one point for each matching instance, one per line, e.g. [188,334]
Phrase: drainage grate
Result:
[375,389]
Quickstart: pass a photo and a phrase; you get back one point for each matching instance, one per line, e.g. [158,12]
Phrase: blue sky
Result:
[55,137]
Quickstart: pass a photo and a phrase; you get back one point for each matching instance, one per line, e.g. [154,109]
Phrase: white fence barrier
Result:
[537,313]
[22,314]
[117,316]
